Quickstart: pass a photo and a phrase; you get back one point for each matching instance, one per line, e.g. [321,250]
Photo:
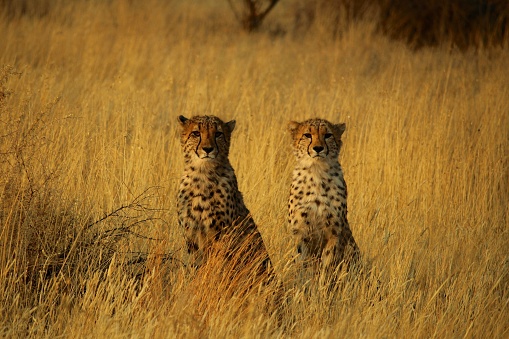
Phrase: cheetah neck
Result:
[207,168]
[318,168]
[212,172]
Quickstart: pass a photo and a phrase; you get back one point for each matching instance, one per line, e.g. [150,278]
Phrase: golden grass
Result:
[88,124]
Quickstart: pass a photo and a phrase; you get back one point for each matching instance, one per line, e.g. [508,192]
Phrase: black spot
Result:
[198,208]
[303,214]
[191,246]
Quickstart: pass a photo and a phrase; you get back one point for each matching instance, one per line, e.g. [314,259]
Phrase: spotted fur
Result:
[317,204]
[210,205]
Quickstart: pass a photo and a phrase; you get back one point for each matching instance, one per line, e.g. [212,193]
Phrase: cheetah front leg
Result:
[196,256]
[198,243]
[308,258]
[331,259]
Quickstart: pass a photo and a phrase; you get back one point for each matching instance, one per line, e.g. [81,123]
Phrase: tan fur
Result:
[317,205]
[210,205]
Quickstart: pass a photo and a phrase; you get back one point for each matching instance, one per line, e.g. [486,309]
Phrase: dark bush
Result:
[419,23]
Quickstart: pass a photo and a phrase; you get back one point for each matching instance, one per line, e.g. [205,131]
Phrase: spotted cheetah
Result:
[317,203]
[210,205]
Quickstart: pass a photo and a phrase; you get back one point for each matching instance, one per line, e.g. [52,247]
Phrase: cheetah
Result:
[210,206]
[317,204]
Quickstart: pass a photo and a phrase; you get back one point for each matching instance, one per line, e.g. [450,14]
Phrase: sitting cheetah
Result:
[210,206]
[317,204]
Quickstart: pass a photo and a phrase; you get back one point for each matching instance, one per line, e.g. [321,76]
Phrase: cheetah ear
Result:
[339,129]
[182,120]
[292,126]
[231,125]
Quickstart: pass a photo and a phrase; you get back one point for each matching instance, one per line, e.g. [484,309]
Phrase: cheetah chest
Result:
[206,203]
[317,200]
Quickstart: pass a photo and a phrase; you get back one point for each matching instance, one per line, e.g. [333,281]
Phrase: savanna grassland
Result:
[90,161]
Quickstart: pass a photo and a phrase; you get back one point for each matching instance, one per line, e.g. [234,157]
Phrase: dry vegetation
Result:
[90,160]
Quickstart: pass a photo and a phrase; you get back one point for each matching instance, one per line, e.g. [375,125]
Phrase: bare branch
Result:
[237,15]
[253,15]
[267,10]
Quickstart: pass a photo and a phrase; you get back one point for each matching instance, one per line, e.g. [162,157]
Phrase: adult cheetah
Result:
[317,203]
[210,206]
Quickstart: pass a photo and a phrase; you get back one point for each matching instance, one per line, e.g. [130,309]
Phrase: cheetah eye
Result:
[219,134]
[307,135]
[195,133]
[328,135]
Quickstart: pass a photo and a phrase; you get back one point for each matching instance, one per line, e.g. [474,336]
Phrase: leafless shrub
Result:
[47,237]
[252,12]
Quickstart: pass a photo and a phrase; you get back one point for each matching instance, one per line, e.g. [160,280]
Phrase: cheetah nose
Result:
[318,149]
[208,149]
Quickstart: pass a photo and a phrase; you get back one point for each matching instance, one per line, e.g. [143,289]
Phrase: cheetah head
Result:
[317,139]
[205,137]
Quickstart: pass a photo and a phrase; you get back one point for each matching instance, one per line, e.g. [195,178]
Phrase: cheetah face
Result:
[205,137]
[317,139]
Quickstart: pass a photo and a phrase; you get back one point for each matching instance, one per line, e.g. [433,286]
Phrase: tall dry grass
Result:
[89,240]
